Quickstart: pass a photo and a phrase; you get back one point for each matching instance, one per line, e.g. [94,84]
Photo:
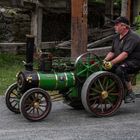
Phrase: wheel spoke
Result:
[81,72]
[37,111]
[105,81]
[12,98]
[97,86]
[41,109]
[95,91]
[108,100]
[100,84]
[16,104]
[112,85]
[88,63]
[114,94]
[101,103]
[105,104]
[113,89]
[27,107]
[29,100]
[13,101]
[42,105]
[13,93]
[30,110]
[94,98]
[93,105]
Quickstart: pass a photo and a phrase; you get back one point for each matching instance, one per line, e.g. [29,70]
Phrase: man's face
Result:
[119,27]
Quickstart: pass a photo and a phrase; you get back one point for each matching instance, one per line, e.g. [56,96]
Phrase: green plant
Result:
[10,64]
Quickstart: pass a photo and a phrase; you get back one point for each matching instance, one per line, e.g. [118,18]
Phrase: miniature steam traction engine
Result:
[82,84]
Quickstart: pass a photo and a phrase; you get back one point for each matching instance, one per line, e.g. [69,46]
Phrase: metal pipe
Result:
[29,52]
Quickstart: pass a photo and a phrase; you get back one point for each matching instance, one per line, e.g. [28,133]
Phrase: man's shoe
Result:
[130,97]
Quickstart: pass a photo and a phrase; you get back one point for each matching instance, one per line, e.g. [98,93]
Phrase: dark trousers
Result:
[124,69]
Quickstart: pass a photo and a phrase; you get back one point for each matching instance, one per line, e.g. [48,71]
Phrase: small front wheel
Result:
[35,104]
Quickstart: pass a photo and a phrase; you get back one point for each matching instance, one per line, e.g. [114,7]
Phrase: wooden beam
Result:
[78,27]
[100,51]
[21,47]
[100,42]
[36,25]
[11,3]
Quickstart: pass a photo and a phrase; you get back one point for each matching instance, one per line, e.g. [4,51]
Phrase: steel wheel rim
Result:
[105,95]
[35,104]
[13,96]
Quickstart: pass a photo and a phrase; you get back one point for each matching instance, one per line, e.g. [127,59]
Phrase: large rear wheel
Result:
[102,94]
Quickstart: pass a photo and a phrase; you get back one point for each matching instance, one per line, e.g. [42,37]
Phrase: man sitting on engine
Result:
[124,57]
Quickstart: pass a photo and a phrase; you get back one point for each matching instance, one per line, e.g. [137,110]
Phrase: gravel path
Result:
[65,123]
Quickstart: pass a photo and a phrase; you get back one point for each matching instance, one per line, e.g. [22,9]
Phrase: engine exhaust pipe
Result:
[29,52]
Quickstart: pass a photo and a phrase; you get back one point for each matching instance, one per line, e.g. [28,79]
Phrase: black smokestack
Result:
[29,52]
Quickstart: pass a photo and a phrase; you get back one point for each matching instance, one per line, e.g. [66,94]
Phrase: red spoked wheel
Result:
[35,104]
[102,94]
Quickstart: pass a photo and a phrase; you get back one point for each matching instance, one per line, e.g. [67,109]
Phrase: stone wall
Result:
[14,25]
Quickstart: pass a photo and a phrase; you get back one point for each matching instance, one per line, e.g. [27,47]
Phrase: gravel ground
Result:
[65,123]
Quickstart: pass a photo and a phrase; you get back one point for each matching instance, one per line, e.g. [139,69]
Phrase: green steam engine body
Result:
[80,83]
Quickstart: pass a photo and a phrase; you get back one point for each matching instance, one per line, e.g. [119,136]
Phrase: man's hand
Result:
[107,65]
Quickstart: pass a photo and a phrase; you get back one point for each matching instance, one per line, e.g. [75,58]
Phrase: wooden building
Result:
[79,15]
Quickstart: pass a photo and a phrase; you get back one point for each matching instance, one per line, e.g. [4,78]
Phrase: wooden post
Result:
[109,8]
[78,27]
[129,10]
[126,9]
[36,25]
